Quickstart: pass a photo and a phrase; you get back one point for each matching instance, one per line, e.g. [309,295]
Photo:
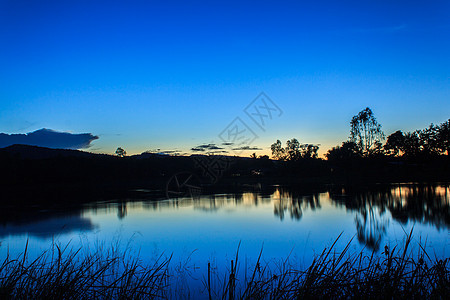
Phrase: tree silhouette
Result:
[294,150]
[395,143]
[310,150]
[348,150]
[428,139]
[431,141]
[443,137]
[278,151]
[411,144]
[365,132]
[120,152]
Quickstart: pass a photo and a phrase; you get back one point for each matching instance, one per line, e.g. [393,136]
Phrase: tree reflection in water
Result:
[374,206]
[426,204]
[294,202]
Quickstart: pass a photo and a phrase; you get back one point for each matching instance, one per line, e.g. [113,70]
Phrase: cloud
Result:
[163,152]
[247,148]
[169,152]
[206,147]
[49,138]
[209,149]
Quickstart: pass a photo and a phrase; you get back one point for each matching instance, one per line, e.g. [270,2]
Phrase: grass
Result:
[67,274]
[61,273]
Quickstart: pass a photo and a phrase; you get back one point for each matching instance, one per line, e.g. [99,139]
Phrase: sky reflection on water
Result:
[283,221]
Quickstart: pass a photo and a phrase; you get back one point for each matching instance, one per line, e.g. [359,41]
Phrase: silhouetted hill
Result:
[35,174]
[41,175]
[35,152]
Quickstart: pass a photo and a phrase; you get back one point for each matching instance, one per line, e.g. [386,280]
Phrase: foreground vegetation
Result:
[111,274]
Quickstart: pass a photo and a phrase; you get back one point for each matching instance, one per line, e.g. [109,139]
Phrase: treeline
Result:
[434,140]
[366,141]
[368,156]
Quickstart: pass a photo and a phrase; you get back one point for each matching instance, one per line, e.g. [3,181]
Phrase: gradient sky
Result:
[172,75]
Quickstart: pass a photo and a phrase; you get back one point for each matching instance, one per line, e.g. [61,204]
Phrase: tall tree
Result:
[293,149]
[365,131]
[278,151]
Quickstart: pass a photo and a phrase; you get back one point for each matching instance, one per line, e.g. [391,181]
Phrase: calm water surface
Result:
[282,221]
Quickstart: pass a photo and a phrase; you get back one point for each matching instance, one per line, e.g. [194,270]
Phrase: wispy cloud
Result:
[49,138]
[164,152]
[208,149]
[247,148]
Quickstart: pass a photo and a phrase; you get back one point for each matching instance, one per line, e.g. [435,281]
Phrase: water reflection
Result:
[46,224]
[294,202]
[122,210]
[372,209]
[426,204]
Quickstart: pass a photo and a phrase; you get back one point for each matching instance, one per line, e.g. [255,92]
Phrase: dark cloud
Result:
[247,148]
[207,147]
[227,144]
[49,138]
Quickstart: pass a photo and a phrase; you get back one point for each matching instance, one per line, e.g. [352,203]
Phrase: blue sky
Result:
[172,75]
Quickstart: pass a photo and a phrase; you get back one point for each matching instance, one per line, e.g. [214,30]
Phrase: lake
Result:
[281,221]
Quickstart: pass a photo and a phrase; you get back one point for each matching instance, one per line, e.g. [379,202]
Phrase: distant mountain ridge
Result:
[36,152]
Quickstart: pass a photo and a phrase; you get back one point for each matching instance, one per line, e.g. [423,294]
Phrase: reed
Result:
[63,273]
[397,273]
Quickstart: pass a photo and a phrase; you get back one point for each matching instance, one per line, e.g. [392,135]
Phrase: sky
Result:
[173,75]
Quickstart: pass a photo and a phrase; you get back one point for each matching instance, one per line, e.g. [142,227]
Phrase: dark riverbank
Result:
[47,177]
